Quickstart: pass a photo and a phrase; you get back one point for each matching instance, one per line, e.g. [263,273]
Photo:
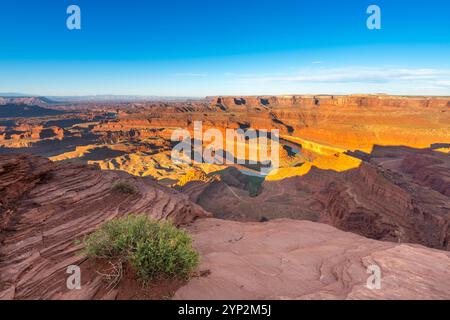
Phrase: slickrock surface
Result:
[46,207]
[286,259]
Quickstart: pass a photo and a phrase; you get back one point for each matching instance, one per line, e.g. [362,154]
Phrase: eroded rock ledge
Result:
[46,207]
[287,259]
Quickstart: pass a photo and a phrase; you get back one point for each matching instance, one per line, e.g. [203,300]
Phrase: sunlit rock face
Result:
[23,136]
[354,122]
[325,127]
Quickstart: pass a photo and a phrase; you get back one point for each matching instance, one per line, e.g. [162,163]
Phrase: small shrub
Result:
[125,187]
[254,186]
[155,249]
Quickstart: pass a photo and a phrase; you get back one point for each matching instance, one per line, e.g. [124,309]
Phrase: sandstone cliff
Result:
[350,122]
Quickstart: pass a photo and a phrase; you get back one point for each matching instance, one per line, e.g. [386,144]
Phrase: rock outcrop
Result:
[24,136]
[45,208]
[286,259]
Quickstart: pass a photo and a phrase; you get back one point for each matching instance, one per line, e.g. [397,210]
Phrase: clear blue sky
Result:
[210,47]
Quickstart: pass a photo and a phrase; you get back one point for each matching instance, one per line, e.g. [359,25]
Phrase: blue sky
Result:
[232,47]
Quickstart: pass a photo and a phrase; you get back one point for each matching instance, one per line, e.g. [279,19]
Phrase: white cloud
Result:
[360,74]
[443,83]
[347,80]
[194,75]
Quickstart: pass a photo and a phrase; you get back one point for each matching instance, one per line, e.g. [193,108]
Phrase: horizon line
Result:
[142,96]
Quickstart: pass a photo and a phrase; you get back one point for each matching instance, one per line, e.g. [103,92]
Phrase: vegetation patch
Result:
[155,249]
[254,185]
[124,187]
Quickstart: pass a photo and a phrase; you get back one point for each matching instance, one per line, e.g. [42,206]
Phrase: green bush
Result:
[254,185]
[155,249]
[126,187]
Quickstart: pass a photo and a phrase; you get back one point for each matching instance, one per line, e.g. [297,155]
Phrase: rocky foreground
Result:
[287,259]
[47,207]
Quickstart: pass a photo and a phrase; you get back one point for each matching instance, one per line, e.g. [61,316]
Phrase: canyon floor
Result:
[363,180]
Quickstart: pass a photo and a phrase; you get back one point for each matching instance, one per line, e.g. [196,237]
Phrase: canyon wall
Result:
[348,122]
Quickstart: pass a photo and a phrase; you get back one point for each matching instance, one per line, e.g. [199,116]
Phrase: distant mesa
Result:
[26,111]
[27,100]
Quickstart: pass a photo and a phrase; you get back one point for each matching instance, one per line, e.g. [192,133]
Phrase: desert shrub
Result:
[155,249]
[254,185]
[125,187]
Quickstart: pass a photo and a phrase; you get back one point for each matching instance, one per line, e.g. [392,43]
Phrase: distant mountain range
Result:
[26,100]
[96,98]
[14,94]
[119,98]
